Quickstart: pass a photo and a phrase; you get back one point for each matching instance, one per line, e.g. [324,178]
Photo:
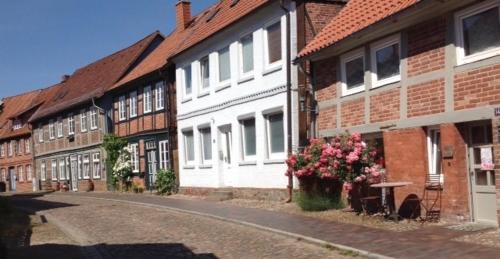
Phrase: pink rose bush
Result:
[345,158]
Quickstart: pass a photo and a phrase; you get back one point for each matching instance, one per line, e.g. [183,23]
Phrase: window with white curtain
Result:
[147,99]
[224,64]
[86,166]
[43,171]
[96,162]
[29,173]
[160,96]
[164,156]
[206,144]
[93,118]
[248,138]
[275,135]
[188,146]
[71,124]
[62,169]
[60,133]
[52,130]
[205,72]
[133,104]
[246,54]
[134,157]
[83,121]
[122,108]
[188,82]
[79,166]
[53,170]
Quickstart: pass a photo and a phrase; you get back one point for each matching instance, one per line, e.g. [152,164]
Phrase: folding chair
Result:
[430,200]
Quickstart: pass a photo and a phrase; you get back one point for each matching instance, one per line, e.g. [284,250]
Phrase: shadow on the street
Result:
[143,251]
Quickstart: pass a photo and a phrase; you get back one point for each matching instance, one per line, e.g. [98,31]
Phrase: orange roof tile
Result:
[94,79]
[355,16]
[12,107]
[200,28]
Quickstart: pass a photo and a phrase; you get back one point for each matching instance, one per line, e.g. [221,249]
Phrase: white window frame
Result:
[278,63]
[27,145]
[71,124]
[2,150]
[86,165]
[52,130]
[184,140]
[122,108]
[184,88]
[133,104]
[83,121]
[431,151]
[40,133]
[80,169]
[17,124]
[227,81]
[96,161]
[60,132]
[62,168]
[20,172]
[164,154]
[460,43]
[359,53]
[243,140]
[243,74]
[11,148]
[374,47]
[202,145]
[134,157]
[159,96]
[147,99]
[276,155]
[53,173]
[93,118]
[19,145]
[203,88]
[29,173]
[43,171]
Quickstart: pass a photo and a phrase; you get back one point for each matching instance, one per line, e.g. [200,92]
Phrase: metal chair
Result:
[430,200]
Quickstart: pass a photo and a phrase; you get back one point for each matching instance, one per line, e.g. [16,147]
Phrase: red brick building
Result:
[422,78]
[16,157]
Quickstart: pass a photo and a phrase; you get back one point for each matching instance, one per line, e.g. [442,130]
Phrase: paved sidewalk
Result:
[430,242]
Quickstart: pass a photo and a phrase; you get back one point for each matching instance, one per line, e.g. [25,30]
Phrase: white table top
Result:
[390,184]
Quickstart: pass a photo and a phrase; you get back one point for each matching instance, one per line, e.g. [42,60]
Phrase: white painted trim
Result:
[147,100]
[217,67]
[242,76]
[83,117]
[96,157]
[355,54]
[86,161]
[71,120]
[266,114]
[133,104]
[159,96]
[122,111]
[374,47]
[460,43]
[279,63]
[186,96]
[244,155]
[184,142]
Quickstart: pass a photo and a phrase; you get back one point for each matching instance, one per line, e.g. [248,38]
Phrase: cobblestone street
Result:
[119,230]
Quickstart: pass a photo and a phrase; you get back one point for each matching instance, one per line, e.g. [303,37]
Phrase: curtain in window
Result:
[189,145]
[274,42]
[276,132]
[187,79]
[250,138]
[224,65]
[247,53]
[206,136]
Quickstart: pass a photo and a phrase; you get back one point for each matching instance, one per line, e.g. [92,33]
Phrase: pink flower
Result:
[358,179]
[347,186]
[356,137]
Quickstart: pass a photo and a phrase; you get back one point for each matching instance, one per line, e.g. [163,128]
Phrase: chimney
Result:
[64,78]
[182,14]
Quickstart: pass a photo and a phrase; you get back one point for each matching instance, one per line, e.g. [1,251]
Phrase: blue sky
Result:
[42,40]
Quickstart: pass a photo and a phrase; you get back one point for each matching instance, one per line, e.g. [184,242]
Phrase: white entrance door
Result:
[74,174]
[482,178]
[152,168]
[225,153]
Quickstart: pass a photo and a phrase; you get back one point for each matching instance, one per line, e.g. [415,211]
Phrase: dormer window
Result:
[17,124]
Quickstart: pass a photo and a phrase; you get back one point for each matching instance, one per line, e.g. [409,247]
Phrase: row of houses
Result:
[231,91]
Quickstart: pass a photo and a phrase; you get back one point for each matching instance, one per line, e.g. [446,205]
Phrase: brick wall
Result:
[22,158]
[318,15]
[478,87]
[426,43]
[325,79]
[353,112]
[426,98]
[385,106]
[327,118]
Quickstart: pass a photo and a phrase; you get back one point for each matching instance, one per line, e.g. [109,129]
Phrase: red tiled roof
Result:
[355,16]
[94,79]
[12,107]
[198,30]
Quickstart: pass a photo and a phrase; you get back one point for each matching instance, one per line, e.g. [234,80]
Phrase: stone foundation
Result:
[240,193]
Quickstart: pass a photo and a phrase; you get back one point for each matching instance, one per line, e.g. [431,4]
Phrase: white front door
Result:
[152,168]
[225,153]
[482,175]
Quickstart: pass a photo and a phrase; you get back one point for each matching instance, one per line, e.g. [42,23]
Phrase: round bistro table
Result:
[389,196]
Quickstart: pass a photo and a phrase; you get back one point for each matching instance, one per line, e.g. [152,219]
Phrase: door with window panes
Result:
[152,163]
[225,156]
[482,174]
[74,173]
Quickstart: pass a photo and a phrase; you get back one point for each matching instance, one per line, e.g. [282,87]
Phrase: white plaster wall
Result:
[224,103]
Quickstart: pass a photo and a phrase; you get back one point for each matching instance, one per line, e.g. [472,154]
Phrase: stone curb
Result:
[87,248]
[307,239]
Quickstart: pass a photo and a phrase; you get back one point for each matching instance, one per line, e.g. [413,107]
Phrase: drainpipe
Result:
[288,94]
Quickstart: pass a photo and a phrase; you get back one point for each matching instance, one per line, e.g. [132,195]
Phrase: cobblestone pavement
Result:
[121,230]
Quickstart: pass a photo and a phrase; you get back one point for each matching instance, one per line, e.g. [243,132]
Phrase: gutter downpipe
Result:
[288,95]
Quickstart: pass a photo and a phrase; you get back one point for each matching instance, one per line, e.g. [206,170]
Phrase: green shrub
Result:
[165,182]
[309,202]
